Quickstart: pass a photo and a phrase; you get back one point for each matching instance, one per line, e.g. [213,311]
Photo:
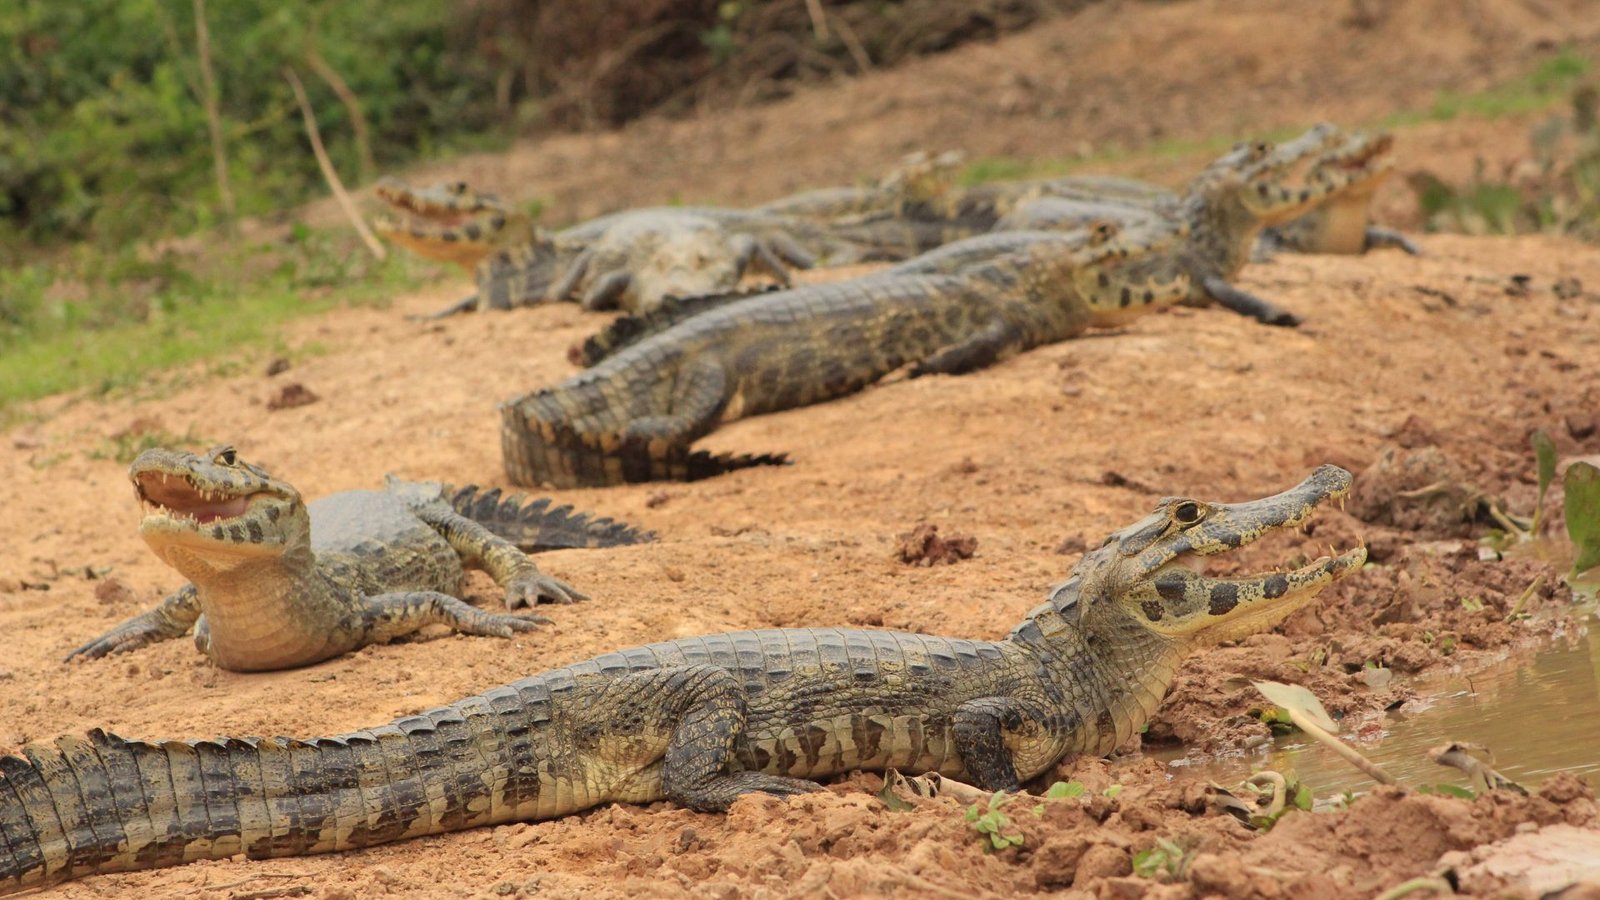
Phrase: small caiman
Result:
[697,721]
[633,416]
[276,583]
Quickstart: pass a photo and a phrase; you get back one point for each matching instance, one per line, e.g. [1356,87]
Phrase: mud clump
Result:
[922,546]
[1419,490]
[291,395]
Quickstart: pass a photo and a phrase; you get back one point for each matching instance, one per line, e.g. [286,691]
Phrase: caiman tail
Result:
[536,525]
[540,450]
[84,805]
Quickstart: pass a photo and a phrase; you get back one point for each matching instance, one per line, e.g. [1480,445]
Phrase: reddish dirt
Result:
[1036,459]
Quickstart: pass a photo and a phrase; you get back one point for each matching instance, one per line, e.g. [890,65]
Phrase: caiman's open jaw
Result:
[1363,159]
[232,511]
[1175,598]
[1268,186]
[448,223]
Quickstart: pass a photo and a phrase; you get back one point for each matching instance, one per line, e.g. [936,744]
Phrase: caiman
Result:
[1224,209]
[275,582]
[696,721]
[1342,223]
[1213,222]
[634,416]
[627,260]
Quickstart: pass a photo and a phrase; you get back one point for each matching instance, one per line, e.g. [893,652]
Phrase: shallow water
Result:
[1539,714]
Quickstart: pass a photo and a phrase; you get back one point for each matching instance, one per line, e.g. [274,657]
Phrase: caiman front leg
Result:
[1379,237]
[567,284]
[173,617]
[607,292]
[524,584]
[788,250]
[385,617]
[747,250]
[464,305]
[980,350]
[707,706]
[1247,304]
[989,732]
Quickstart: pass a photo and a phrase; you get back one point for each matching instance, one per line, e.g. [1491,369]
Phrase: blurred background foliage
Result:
[103,130]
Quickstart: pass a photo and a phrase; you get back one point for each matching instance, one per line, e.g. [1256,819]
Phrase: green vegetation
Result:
[993,825]
[105,320]
[104,133]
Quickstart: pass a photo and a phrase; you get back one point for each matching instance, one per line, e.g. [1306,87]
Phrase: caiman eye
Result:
[227,456]
[1186,513]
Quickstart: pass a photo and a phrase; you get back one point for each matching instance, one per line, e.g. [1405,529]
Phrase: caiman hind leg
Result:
[1004,741]
[699,396]
[510,568]
[173,617]
[385,617]
[708,706]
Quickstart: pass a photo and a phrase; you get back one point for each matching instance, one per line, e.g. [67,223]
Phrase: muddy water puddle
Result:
[1539,714]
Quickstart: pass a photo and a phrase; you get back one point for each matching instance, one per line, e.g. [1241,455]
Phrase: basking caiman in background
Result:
[1343,222]
[628,260]
[633,416]
[277,583]
[1223,209]
[696,721]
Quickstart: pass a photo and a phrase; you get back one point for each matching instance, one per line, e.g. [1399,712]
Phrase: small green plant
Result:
[1065,790]
[1166,861]
[1544,451]
[1472,604]
[993,824]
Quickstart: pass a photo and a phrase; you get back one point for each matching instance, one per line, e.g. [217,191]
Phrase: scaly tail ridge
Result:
[539,451]
[83,805]
[536,525]
[627,330]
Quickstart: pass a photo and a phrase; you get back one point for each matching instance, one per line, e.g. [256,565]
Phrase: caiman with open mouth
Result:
[696,721]
[276,583]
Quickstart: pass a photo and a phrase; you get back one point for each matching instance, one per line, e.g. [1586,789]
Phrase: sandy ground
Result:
[1035,458]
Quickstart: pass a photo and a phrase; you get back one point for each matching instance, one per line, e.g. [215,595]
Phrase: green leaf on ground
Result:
[1544,450]
[1582,487]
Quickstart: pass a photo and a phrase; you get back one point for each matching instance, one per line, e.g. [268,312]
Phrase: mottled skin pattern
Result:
[628,260]
[633,416]
[1342,223]
[276,583]
[697,721]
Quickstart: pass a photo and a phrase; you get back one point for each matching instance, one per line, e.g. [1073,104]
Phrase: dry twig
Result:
[326,164]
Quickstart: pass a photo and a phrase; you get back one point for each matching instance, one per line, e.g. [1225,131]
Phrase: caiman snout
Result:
[1166,591]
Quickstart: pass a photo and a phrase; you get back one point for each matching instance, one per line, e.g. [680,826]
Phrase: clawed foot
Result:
[529,590]
[720,793]
[503,625]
